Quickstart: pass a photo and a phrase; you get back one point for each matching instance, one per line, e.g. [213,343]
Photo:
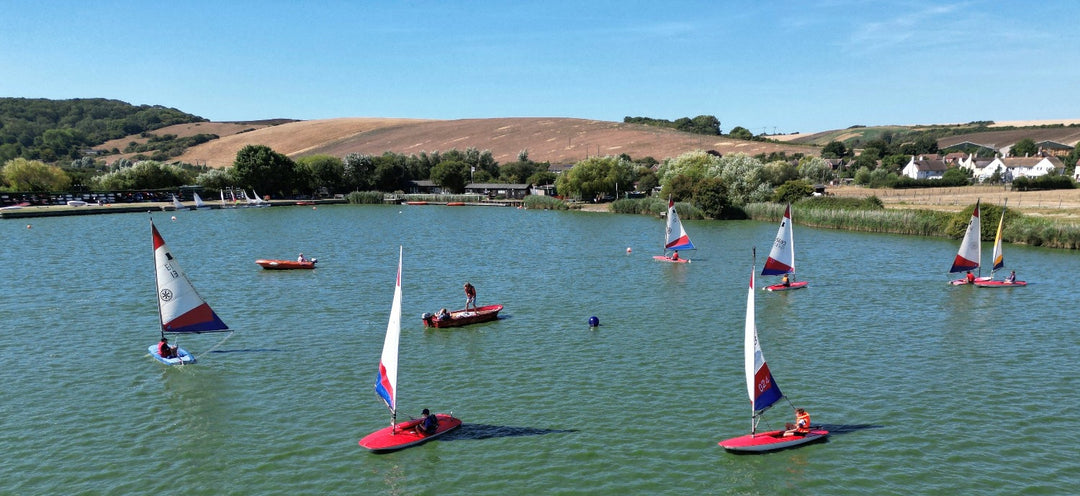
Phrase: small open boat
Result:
[675,238]
[781,259]
[285,264]
[398,435]
[764,393]
[459,318]
[180,308]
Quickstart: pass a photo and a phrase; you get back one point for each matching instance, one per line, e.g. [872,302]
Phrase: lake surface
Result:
[928,389]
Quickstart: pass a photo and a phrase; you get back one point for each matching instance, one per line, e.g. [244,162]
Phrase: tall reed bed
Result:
[656,207]
[544,203]
[1019,228]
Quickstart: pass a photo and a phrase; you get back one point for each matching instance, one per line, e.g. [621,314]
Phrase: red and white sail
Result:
[180,307]
[999,255]
[760,384]
[676,238]
[970,253]
[782,256]
[386,381]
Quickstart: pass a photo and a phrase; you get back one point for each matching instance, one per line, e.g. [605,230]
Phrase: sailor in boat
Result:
[969,278]
[675,256]
[429,423]
[1011,278]
[470,296]
[801,427]
[786,281]
[165,350]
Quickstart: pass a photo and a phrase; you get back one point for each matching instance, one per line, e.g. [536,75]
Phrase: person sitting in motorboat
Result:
[301,258]
[429,423]
[443,314]
[1011,278]
[801,427]
[165,350]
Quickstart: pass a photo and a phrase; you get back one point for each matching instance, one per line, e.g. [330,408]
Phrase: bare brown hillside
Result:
[555,140]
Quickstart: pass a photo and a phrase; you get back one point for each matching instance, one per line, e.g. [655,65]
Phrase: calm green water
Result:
[928,388]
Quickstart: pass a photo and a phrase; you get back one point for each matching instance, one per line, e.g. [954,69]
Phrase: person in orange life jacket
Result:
[165,350]
[675,256]
[801,427]
[429,423]
[786,281]
[970,278]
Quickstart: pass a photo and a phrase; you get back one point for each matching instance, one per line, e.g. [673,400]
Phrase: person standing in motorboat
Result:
[470,296]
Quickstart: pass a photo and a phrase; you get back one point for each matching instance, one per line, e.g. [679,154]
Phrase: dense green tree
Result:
[739,132]
[267,171]
[146,174]
[1024,148]
[815,170]
[647,179]
[324,172]
[359,172]
[21,174]
[793,191]
[516,172]
[390,173]
[542,178]
[779,172]
[215,179]
[834,149]
[595,176]
[711,196]
[451,175]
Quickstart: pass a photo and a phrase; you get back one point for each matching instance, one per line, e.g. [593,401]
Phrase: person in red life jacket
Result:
[470,296]
[165,350]
[969,278]
[801,427]
[675,256]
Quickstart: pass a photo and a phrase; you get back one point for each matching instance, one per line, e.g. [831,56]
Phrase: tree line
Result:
[59,130]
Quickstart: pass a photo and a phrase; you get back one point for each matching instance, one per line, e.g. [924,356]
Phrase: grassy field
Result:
[1058,204]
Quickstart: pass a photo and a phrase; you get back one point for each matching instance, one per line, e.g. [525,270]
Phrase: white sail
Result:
[386,381]
[970,253]
[782,257]
[199,201]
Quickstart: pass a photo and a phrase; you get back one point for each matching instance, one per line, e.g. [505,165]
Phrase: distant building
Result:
[922,168]
[1014,167]
[1048,147]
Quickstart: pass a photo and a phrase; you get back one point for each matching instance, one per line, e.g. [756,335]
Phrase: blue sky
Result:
[799,66]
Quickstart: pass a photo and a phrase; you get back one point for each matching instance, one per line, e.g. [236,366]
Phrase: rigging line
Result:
[219,343]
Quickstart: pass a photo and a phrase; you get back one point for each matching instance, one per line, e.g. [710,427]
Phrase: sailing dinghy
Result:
[764,392]
[180,308]
[199,203]
[970,253]
[177,205]
[999,261]
[781,261]
[398,435]
[675,238]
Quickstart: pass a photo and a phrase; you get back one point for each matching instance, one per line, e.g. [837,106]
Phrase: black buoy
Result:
[594,322]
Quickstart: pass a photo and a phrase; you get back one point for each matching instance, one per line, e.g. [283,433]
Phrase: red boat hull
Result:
[781,287]
[962,282]
[1000,284]
[284,264]
[459,318]
[770,441]
[670,260]
[402,435]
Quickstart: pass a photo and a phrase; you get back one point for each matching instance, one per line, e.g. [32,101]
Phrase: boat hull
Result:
[402,435]
[284,264]
[999,284]
[770,441]
[460,318]
[781,287]
[670,260]
[182,358]
[963,282]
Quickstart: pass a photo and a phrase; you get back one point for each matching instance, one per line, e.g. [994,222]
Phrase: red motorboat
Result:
[285,264]
[458,318]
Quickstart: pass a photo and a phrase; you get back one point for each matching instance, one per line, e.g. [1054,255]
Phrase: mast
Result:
[157,283]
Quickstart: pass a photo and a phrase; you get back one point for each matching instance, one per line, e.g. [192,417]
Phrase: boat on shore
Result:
[458,318]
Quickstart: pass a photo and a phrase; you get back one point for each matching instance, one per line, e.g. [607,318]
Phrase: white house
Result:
[1014,167]
[925,169]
